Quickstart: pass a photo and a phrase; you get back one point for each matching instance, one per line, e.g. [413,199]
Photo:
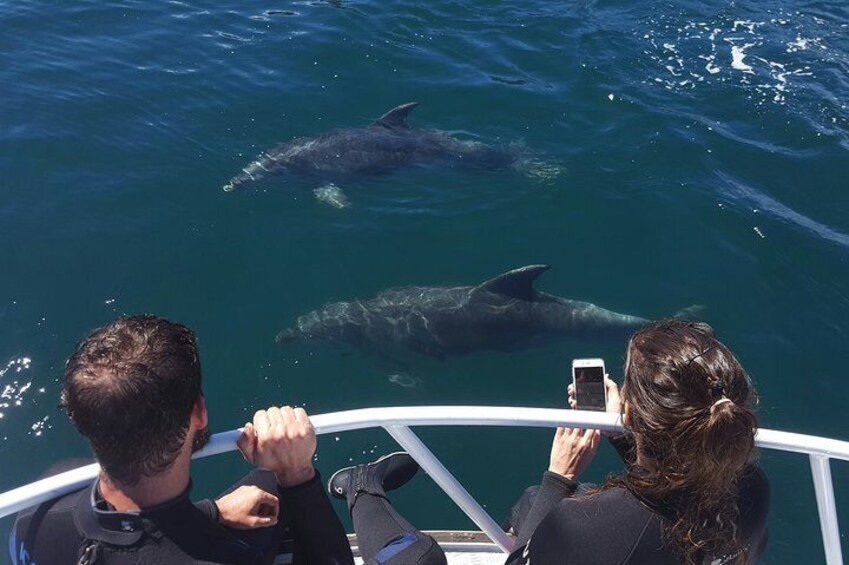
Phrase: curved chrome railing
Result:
[397,421]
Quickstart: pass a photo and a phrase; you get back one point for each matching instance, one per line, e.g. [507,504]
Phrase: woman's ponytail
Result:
[729,435]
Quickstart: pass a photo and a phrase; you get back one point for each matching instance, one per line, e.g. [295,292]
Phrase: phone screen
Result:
[589,388]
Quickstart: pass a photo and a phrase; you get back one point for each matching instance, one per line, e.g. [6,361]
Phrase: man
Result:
[133,389]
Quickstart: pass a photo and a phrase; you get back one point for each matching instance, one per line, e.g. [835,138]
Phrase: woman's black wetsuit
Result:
[614,527]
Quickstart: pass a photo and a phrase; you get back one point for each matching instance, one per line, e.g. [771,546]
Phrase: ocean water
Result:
[682,153]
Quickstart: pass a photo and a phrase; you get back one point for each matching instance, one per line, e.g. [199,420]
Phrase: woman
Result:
[691,492]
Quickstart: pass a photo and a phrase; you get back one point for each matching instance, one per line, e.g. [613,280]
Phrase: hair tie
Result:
[722,400]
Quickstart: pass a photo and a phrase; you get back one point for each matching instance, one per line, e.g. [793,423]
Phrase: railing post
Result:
[827,509]
[448,483]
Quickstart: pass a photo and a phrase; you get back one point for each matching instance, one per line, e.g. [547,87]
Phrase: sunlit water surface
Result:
[681,153]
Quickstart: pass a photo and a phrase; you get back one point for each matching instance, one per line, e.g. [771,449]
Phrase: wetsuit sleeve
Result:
[209,509]
[553,489]
[319,537]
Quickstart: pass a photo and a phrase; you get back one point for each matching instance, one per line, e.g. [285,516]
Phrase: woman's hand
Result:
[614,401]
[572,450]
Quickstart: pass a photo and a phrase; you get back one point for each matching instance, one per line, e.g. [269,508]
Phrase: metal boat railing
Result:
[398,420]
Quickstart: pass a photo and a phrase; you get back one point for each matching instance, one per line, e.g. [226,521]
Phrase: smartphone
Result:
[588,379]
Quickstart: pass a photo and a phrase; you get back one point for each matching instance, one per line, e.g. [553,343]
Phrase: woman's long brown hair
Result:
[690,407]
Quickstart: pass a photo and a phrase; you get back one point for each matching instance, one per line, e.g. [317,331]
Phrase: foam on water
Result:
[404,380]
[540,170]
[738,53]
[332,195]
[768,58]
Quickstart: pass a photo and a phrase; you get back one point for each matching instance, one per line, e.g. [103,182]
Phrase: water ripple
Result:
[742,193]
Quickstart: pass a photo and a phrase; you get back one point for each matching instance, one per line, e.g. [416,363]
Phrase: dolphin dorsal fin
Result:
[396,117]
[518,283]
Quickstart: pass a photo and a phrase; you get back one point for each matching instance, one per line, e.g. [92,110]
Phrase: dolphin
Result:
[505,313]
[382,146]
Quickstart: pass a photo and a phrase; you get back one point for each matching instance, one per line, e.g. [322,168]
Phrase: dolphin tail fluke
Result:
[256,170]
[691,312]
[236,182]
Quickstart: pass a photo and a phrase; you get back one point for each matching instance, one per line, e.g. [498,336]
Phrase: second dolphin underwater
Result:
[505,313]
[382,146]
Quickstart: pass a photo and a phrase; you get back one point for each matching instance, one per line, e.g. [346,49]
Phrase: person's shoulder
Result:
[754,472]
[614,495]
[754,481]
[610,506]
[577,523]
[46,527]
[754,495]
[57,508]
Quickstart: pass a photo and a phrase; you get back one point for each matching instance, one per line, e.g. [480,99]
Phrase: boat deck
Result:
[461,548]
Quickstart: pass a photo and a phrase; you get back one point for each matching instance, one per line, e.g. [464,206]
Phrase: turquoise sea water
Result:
[689,153]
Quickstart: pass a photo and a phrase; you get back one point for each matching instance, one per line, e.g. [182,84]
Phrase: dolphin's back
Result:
[504,313]
[375,150]
[577,319]
[399,316]
[434,321]
[380,147]
[358,151]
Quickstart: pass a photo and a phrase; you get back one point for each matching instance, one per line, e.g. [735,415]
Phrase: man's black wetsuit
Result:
[178,531]
[614,527]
